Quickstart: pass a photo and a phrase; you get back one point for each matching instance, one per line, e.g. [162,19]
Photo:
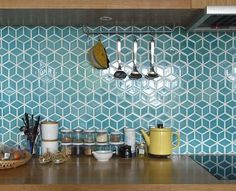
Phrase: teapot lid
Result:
[163,129]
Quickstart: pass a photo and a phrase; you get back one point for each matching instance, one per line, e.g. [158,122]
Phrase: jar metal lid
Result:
[66,144]
[129,129]
[49,122]
[89,144]
[102,131]
[115,133]
[78,130]
[89,131]
[66,130]
[117,143]
[102,144]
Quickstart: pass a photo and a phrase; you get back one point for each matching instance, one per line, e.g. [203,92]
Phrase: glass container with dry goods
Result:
[115,137]
[78,136]
[101,136]
[89,148]
[89,136]
[78,148]
[66,136]
[67,148]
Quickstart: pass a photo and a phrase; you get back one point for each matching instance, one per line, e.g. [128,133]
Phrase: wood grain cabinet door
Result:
[196,4]
[96,4]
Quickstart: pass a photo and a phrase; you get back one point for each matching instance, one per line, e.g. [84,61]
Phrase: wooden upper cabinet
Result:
[89,12]
[95,4]
[200,4]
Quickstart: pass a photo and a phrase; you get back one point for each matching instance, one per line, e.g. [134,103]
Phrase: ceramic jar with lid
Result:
[49,130]
[89,136]
[101,136]
[66,136]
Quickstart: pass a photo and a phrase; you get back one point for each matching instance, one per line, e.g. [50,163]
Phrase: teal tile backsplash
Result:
[45,71]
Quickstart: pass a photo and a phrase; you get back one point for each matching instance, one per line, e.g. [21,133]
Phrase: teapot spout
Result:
[146,137]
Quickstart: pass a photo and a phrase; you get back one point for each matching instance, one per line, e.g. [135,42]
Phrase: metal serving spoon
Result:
[119,74]
[151,74]
[135,73]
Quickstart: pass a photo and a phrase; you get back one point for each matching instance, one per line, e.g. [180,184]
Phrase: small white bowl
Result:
[102,155]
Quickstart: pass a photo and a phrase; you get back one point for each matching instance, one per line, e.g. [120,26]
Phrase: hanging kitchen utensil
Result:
[135,73]
[151,74]
[119,74]
[98,56]
[93,62]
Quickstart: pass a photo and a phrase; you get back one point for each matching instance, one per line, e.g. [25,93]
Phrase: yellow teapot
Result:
[160,141]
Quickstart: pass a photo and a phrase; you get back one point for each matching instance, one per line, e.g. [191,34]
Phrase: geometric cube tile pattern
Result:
[221,166]
[46,71]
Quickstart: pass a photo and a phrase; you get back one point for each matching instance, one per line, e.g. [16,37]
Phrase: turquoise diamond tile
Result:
[45,70]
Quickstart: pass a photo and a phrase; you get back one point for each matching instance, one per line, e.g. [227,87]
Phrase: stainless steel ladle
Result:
[151,74]
[135,73]
[119,74]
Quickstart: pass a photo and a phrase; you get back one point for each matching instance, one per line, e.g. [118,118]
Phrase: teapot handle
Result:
[178,140]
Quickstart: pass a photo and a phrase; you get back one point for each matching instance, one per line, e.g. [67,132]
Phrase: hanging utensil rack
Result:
[127,30]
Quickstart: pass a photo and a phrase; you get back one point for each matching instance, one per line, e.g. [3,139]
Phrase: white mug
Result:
[49,130]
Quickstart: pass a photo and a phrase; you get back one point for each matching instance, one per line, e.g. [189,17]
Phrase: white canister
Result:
[130,138]
[49,130]
[50,146]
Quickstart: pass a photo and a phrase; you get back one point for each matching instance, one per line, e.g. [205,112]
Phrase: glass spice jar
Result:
[66,136]
[89,148]
[78,136]
[115,136]
[78,148]
[101,136]
[67,148]
[141,151]
[89,136]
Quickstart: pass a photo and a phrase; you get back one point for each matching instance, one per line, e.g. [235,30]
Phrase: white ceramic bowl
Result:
[102,155]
